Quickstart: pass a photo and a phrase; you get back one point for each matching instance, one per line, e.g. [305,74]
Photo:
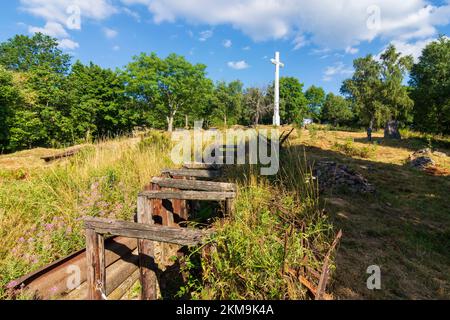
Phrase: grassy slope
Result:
[404,228]
[41,205]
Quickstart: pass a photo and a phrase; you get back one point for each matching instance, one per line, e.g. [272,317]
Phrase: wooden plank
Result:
[210,174]
[146,249]
[61,155]
[124,287]
[202,166]
[189,195]
[321,287]
[180,236]
[229,203]
[282,140]
[52,281]
[194,185]
[95,258]
[116,274]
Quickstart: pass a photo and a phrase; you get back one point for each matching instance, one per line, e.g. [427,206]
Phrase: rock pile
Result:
[331,174]
[421,159]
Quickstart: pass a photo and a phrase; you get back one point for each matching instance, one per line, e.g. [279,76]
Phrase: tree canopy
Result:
[430,82]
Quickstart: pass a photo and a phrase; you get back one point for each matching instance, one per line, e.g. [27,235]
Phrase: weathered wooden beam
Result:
[53,280]
[124,287]
[116,274]
[95,256]
[146,247]
[180,236]
[283,139]
[194,185]
[321,287]
[189,195]
[61,155]
[206,174]
[202,166]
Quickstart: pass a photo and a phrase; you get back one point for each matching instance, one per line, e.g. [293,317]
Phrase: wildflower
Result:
[49,226]
[21,239]
[11,285]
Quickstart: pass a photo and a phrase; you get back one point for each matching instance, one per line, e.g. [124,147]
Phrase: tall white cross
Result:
[276,111]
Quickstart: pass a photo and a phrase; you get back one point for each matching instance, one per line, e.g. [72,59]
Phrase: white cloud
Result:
[351,50]
[337,69]
[110,33]
[414,48]
[299,42]
[238,65]
[59,10]
[116,48]
[246,48]
[205,35]
[68,44]
[132,14]
[346,22]
[227,43]
[52,29]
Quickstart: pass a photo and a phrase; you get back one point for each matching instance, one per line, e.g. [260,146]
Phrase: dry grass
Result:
[41,206]
[404,227]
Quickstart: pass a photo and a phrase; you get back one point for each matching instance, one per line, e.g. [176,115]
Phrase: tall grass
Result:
[40,217]
[277,228]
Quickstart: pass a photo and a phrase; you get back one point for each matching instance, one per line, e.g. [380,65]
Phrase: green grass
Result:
[350,149]
[277,227]
[40,216]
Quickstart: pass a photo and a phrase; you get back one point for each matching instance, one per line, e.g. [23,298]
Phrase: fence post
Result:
[146,251]
[95,257]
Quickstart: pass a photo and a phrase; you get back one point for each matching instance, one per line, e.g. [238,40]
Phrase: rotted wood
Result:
[325,269]
[194,185]
[180,236]
[96,270]
[202,166]
[61,155]
[146,247]
[284,138]
[194,173]
[189,195]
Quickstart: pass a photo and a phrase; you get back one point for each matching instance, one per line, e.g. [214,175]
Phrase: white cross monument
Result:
[276,111]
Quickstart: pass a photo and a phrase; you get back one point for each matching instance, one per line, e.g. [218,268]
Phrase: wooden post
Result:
[95,257]
[229,202]
[146,252]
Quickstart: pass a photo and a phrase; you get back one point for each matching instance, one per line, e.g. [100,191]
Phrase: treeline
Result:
[45,100]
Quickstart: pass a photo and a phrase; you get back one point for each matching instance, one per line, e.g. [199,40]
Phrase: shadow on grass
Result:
[411,144]
[403,227]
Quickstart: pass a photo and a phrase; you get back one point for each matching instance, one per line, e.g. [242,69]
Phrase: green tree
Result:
[316,99]
[430,81]
[227,102]
[363,90]
[256,105]
[336,109]
[167,86]
[394,94]
[293,104]
[24,53]
[98,104]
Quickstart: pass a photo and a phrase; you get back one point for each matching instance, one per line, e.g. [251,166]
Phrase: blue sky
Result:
[318,40]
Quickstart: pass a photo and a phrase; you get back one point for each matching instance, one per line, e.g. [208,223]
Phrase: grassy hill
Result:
[403,227]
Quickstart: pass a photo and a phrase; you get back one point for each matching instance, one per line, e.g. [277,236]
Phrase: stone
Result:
[422,162]
[391,130]
[331,174]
